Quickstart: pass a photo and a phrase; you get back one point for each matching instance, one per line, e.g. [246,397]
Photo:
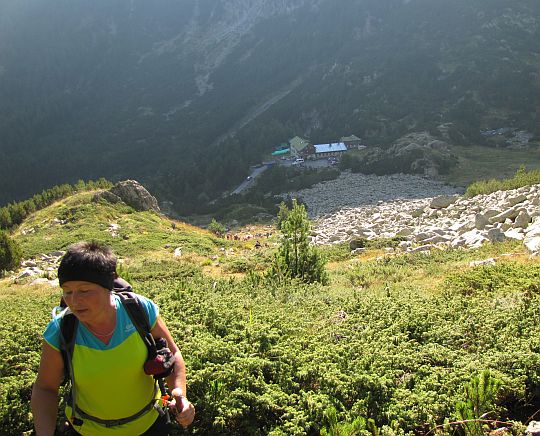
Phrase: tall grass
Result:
[520,179]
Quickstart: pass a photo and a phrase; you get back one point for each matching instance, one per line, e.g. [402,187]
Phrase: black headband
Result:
[68,273]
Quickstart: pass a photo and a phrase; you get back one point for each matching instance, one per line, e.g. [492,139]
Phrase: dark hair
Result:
[90,262]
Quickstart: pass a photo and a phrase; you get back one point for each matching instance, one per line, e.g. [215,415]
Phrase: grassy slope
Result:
[483,163]
[392,338]
[139,232]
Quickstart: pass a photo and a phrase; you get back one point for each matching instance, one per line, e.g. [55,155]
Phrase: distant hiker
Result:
[99,342]
[257,244]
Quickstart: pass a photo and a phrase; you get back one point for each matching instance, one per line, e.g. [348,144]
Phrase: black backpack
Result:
[159,363]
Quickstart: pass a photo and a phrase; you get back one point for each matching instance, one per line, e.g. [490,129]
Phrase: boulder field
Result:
[431,222]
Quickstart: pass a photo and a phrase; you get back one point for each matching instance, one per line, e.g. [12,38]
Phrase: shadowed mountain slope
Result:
[128,89]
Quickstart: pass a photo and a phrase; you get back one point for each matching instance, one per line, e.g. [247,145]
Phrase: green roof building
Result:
[298,145]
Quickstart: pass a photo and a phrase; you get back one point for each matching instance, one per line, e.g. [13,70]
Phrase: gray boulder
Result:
[514,234]
[135,195]
[417,213]
[534,229]
[355,244]
[490,213]
[423,235]
[517,199]
[511,213]
[495,235]
[480,221]
[522,220]
[443,201]
[472,238]
[405,231]
[437,239]
[462,226]
[533,245]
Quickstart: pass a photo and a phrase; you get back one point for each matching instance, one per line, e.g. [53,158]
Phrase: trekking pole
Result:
[165,399]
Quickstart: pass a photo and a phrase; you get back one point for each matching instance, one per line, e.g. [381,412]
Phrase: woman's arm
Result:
[177,380]
[44,400]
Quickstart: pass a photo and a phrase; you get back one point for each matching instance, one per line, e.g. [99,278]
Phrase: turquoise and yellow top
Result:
[109,379]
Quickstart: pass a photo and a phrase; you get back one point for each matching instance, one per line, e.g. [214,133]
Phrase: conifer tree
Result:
[480,395]
[296,258]
[5,218]
[10,253]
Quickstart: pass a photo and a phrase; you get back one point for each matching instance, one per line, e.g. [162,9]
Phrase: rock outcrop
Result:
[135,195]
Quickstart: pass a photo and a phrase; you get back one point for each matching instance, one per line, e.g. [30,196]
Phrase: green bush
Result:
[217,228]
[337,428]
[520,179]
[10,253]
[392,341]
[238,265]
[272,358]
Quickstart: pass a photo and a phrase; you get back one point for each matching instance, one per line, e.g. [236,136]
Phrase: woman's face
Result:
[86,300]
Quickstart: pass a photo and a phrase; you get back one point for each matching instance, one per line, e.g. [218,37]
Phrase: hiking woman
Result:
[111,393]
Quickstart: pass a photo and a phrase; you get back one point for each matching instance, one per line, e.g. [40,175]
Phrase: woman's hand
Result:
[182,408]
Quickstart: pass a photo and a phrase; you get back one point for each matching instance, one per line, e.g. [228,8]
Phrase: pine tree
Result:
[296,258]
[480,395]
[359,426]
[5,218]
[10,253]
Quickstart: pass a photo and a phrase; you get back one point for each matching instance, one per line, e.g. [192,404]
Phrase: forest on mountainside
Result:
[129,90]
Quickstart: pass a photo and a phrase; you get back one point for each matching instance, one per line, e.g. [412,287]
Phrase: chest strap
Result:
[115,422]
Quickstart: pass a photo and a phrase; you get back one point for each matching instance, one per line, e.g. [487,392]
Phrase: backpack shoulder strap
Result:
[139,318]
[68,333]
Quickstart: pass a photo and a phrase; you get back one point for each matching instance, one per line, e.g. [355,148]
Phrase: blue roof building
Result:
[331,149]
